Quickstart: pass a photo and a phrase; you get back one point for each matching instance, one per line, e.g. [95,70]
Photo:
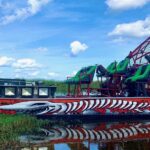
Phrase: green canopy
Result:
[122,66]
[142,73]
[112,68]
[85,76]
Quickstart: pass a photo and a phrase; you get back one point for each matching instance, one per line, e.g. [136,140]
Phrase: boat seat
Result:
[101,71]
[83,76]
[122,66]
[142,74]
[111,69]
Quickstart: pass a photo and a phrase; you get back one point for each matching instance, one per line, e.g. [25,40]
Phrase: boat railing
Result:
[27,91]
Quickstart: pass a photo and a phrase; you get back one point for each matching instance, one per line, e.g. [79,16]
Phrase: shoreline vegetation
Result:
[62,87]
[13,126]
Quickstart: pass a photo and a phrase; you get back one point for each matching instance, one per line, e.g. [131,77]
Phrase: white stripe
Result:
[63,108]
[44,112]
[119,133]
[91,135]
[86,134]
[145,105]
[80,135]
[119,103]
[114,134]
[108,101]
[102,103]
[86,105]
[108,135]
[148,105]
[134,130]
[97,135]
[96,104]
[69,133]
[130,131]
[75,135]
[133,106]
[125,133]
[113,103]
[75,104]
[140,105]
[129,104]
[102,135]
[146,130]
[138,110]
[124,104]
[80,105]
[92,102]
[69,107]
[140,130]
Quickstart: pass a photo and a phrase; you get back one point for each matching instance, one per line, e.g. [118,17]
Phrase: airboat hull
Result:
[76,106]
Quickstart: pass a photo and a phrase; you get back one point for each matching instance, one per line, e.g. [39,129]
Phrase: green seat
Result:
[84,76]
[111,69]
[142,74]
[122,66]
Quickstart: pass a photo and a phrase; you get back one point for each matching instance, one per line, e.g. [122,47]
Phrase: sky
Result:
[53,39]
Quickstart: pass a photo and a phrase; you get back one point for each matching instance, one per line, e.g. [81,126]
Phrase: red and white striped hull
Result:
[101,132]
[68,106]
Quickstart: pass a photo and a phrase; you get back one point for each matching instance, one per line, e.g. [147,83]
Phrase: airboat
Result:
[124,88]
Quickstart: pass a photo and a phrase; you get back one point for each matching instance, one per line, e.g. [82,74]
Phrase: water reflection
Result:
[99,136]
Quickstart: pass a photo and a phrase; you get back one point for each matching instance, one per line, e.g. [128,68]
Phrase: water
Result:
[97,135]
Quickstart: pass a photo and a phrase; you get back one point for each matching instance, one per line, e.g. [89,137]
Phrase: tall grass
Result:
[12,126]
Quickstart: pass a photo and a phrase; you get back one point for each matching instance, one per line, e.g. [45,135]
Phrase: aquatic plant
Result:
[12,126]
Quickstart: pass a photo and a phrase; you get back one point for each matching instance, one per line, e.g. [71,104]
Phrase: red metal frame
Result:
[138,54]
[78,88]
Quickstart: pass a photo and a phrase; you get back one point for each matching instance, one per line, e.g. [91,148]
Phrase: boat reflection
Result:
[105,136]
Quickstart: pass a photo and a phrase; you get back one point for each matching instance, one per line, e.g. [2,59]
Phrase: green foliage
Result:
[62,87]
[12,126]
[95,84]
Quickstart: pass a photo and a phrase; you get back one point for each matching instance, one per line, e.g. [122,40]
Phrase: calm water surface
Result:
[90,136]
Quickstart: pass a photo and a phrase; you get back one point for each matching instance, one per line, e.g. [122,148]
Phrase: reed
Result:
[12,126]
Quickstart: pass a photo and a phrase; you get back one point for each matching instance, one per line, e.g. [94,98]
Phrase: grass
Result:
[12,126]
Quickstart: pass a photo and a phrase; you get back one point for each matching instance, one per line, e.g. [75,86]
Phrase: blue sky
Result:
[54,38]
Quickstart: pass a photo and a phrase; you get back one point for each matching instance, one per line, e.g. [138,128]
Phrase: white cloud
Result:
[26,73]
[72,74]
[33,7]
[118,40]
[5,61]
[53,74]
[138,28]
[7,6]
[26,63]
[42,49]
[33,74]
[126,4]
[77,47]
